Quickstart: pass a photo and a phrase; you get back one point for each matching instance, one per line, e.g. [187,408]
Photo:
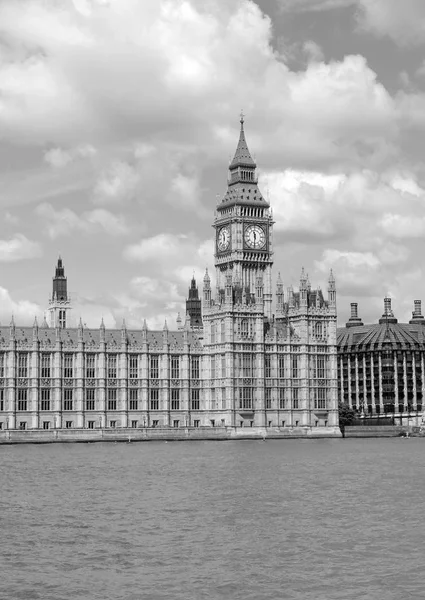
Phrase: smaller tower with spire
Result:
[193,306]
[59,303]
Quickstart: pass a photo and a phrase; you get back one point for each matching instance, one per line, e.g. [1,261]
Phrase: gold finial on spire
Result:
[242,118]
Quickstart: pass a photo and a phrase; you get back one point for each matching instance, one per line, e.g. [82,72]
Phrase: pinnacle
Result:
[242,154]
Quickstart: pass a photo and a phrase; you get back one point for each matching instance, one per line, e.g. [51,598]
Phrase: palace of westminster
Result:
[233,362]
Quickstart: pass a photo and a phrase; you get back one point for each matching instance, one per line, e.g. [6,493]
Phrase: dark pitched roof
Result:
[91,337]
[373,337]
[244,193]
[242,155]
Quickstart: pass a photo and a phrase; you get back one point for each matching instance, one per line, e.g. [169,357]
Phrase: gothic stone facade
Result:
[247,366]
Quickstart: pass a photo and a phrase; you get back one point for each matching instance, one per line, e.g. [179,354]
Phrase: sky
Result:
[118,119]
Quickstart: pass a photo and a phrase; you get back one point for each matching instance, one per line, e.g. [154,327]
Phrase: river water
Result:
[308,520]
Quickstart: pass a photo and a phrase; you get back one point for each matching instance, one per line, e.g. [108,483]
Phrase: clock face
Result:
[255,237]
[223,239]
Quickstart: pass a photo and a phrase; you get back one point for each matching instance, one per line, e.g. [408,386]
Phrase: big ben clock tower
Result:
[243,224]
[237,318]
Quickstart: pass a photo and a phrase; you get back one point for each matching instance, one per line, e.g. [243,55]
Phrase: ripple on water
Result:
[319,520]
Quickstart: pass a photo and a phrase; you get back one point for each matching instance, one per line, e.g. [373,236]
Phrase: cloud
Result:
[404,22]
[65,221]
[400,226]
[136,103]
[23,311]
[58,158]
[18,248]
[10,218]
[313,5]
[313,51]
[116,185]
[160,247]
[191,54]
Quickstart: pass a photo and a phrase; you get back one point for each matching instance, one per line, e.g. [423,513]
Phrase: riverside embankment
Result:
[41,436]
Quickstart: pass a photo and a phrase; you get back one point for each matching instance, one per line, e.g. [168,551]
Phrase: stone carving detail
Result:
[24,345]
[2,382]
[90,382]
[194,383]
[68,382]
[112,383]
[45,382]
[175,383]
[247,381]
[133,382]
[154,382]
[22,382]
[322,382]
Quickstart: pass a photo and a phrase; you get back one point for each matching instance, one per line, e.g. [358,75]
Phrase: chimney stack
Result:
[354,320]
[417,316]
[388,316]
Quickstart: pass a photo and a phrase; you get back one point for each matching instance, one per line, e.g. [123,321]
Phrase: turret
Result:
[303,289]
[207,289]
[80,330]
[144,330]
[60,284]
[279,295]
[12,328]
[59,303]
[123,333]
[35,330]
[102,336]
[331,290]
[193,305]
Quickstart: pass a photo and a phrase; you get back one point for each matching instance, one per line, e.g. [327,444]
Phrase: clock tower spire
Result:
[243,227]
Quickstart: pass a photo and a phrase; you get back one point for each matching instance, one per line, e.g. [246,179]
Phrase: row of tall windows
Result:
[245,397]
[283,404]
[68,371]
[245,366]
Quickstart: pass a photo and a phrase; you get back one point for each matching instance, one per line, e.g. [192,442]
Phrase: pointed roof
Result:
[242,154]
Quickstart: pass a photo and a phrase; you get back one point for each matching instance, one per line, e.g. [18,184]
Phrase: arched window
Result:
[213,328]
[318,330]
[223,331]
